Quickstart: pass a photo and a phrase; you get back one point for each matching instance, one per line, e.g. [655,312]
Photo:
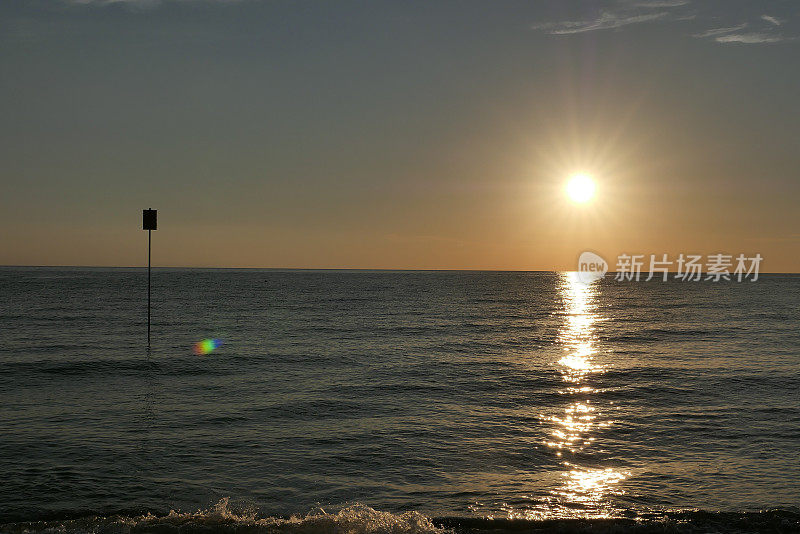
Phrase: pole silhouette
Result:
[149,223]
[149,233]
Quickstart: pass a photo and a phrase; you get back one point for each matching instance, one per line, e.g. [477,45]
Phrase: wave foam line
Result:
[355,519]
[361,519]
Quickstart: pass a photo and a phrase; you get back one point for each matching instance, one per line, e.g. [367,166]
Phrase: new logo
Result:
[591,267]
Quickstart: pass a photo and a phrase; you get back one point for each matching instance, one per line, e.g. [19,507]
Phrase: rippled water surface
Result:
[505,395]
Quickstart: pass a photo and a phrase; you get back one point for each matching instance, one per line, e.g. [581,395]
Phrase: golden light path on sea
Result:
[575,431]
[585,488]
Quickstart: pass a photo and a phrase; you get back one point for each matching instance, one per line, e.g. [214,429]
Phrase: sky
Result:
[397,135]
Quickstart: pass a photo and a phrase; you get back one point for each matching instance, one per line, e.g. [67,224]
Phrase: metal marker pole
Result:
[149,232]
[149,223]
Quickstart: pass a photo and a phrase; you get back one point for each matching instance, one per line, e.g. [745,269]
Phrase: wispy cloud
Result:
[607,20]
[720,31]
[772,20]
[618,14]
[660,3]
[762,30]
[140,3]
[110,2]
[750,38]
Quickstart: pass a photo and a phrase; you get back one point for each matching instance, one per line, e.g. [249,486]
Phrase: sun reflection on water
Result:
[586,486]
[579,480]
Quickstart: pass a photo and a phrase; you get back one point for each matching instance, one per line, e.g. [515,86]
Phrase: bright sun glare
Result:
[580,188]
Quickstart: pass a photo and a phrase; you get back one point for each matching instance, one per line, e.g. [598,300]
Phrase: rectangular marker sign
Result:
[149,219]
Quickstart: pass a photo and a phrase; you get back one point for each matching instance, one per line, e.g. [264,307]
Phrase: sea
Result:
[396,402]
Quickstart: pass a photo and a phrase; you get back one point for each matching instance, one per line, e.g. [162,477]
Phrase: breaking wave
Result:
[355,519]
[361,519]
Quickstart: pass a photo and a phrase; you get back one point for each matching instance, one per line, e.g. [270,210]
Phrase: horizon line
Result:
[384,269]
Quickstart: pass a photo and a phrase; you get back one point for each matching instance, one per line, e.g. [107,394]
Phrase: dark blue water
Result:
[379,400]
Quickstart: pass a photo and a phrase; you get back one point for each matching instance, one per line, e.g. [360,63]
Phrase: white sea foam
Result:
[354,519]
[361,519]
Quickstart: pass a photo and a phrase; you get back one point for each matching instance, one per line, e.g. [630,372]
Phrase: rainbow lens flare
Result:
[206,346]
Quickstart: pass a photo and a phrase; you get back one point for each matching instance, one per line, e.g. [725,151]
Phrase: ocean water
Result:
[401,402]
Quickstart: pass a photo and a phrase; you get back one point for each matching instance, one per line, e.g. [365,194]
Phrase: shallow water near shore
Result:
[373,401]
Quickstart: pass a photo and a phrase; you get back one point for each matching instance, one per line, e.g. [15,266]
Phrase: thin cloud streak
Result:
[605,21]
[772,20]
[763,29]
[750,38]
[720,31]
[142,3]
[661,3]
[111,2]
[626,13]
[734,35]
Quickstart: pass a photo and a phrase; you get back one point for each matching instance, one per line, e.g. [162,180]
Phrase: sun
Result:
[581,188]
